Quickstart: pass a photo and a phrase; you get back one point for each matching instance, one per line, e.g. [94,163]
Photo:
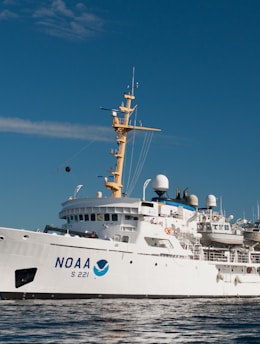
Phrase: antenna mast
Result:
[133,82]
[122,127]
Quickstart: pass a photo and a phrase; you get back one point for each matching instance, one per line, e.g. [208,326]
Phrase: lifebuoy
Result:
[168,230]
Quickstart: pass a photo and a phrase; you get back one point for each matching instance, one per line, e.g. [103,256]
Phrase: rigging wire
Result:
[73,176]
[141,160]
[74,155]
[132,155]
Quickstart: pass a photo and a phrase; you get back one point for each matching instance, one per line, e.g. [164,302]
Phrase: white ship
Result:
[121,247]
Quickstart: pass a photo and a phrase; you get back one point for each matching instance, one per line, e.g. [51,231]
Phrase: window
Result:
[147,204]
[208,226]
[129,217]
[93,217]
[125,238]
[156,242]
[128,228]
[86,217]
[114,217]
[80,217]
[106,217]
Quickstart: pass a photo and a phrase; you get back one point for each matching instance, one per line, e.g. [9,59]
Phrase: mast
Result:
[122,127]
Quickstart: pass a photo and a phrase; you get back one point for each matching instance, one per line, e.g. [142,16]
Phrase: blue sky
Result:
[197,66]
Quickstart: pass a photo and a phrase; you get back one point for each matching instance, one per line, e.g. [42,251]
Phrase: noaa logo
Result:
[101,267]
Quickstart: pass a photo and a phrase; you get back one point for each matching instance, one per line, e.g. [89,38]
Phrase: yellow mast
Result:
[122,127]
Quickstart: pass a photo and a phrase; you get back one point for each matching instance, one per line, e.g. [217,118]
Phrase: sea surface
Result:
[131,321]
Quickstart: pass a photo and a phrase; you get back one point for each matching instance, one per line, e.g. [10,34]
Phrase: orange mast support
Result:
[122,127]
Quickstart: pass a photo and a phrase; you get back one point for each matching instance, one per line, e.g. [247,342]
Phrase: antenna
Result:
[134,85]
[133,81]
[220,205]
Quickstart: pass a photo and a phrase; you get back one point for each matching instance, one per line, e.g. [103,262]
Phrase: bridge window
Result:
[156,242]
[147,204]
[129,217]
[114,217]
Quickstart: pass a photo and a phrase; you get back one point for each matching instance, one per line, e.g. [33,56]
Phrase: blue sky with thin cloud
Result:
[197,68]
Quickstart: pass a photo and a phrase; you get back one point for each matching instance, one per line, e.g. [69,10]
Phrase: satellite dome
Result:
[160,184]
[193,200]
[211,201]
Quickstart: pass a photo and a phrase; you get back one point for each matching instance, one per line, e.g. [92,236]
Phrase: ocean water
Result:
[131,321]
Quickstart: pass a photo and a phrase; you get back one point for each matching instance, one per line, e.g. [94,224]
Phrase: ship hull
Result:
[252,236]
[223,239]
[36,265]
